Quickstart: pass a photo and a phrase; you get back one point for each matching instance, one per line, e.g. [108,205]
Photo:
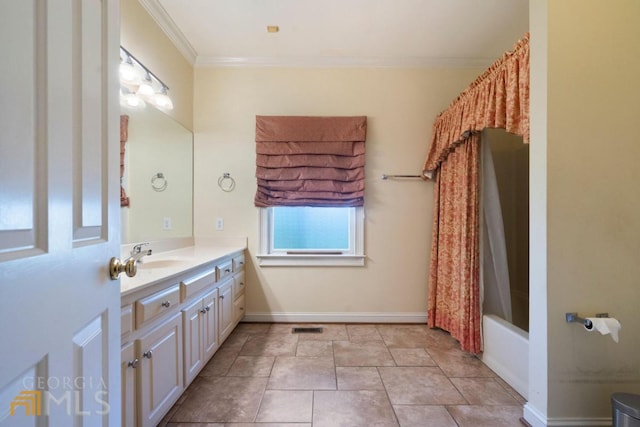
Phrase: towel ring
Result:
[159,182]
[226,182]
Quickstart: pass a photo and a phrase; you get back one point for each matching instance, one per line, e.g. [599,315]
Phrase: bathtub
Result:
[506,352]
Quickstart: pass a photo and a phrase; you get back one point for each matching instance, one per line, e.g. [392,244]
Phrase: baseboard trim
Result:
[337,317]
[536,419]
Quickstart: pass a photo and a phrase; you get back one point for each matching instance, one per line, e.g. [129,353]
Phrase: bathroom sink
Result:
[161,263]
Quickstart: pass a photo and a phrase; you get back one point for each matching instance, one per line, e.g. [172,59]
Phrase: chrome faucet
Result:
[137,253]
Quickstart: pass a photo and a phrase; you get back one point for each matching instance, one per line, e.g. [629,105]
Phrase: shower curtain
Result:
[495,289]
[499,98]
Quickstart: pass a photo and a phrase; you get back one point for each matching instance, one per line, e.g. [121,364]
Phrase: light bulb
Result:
[162,100]
[129,74]
[146,89]
[132,101]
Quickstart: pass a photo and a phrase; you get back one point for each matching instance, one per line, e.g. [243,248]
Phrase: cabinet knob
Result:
[221,296]
[166,304]
[207,308]
[227,270]
[133,363]
[148,354]
[203,311]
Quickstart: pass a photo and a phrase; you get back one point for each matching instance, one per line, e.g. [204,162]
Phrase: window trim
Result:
[354,257]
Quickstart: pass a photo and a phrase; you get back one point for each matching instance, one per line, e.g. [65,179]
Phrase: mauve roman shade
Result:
[310,161]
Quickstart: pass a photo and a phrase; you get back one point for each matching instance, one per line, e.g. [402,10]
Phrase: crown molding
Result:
[343,62]
[166,24]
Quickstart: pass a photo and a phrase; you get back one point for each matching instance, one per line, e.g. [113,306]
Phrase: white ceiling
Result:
[342,32]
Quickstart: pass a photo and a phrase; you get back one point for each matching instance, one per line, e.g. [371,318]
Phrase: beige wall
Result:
[141,36]
[592,204]
[401,105]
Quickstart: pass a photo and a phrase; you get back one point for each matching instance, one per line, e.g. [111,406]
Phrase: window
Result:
[305,235]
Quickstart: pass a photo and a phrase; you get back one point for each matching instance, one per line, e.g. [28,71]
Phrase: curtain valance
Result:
[499,98]
[310,161]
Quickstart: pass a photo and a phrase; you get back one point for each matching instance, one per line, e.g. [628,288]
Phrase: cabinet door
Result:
[238,309]
[210,317]
[160,379]
[225,309]
[192,321]
[129,363]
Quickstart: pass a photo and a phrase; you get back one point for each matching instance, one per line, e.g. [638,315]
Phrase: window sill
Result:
[313,260]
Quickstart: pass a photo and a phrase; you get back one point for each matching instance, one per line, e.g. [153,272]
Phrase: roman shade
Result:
[310,161]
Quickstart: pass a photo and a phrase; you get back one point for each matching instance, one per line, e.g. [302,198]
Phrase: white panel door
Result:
[59,213]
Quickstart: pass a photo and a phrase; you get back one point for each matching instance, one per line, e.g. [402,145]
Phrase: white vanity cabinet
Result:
[225,308]
[160,379]
[200,333]
[171,327]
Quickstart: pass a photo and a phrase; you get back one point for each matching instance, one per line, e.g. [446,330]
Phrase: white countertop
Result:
[164,265]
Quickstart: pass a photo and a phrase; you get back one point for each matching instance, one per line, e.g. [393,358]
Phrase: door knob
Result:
[116,267]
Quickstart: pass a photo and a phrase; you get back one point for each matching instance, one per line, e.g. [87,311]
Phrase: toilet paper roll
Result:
[605,325]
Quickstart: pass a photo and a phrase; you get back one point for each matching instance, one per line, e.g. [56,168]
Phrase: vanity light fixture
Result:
[138,84]
[131,100]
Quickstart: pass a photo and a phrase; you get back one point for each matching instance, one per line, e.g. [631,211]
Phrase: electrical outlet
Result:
[166,223]
[219,224]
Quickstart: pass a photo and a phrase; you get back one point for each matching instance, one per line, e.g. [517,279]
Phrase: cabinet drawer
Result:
[156,304]
[238,284]
[195,284]
[238,263]
[126,320]
[224,269]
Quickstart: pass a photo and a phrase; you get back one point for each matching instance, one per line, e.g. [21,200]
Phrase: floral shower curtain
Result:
[499,98]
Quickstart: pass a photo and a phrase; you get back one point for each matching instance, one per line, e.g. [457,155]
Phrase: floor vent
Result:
[306,330]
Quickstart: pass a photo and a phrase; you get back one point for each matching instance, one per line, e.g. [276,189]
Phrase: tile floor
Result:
[350,375]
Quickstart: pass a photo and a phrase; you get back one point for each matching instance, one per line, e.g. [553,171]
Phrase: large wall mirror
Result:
[158,178]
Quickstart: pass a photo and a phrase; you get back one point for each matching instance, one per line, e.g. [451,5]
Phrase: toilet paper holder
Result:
[573,317]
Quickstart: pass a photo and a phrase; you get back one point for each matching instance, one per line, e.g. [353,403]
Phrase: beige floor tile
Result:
[404,336]
[423,416]
[483,391]
[270,345]
[252,328]
[285,406]
[361,333]
[314,348]
[222,399]
[370,353]
[195,425]
[363,408]
[440,340]
[358,378]
[235,341]
[456,363]
[349,375]
[220,363]
[411,357]
[302,373]
[329,332]
[267,425]
[486,416]
[420,386]
[511,391]
[251,366]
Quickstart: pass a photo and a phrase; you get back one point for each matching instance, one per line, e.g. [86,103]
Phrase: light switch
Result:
[166,223]
[219,224]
